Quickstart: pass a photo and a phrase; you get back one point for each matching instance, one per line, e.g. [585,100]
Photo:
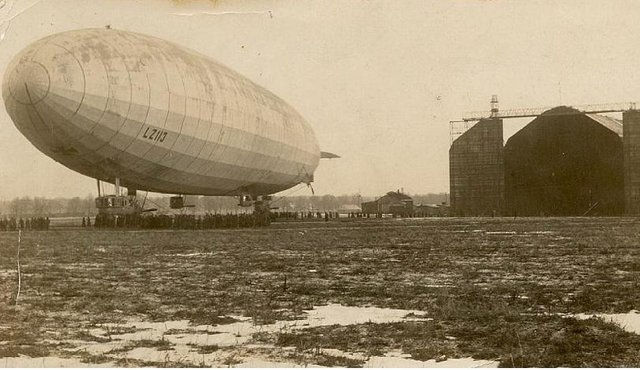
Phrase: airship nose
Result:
[29,82]
[42,88]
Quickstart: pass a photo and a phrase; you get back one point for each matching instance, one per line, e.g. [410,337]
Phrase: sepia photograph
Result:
[305,183]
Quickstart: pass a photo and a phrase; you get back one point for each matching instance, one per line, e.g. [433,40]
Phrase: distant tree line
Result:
[41,206]
[85,206]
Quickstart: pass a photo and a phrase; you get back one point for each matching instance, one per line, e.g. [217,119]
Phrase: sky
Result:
[378,81]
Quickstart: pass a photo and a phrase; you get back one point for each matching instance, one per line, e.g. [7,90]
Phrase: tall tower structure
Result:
[494,106]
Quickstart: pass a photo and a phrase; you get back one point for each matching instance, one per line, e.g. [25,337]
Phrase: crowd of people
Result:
[27,223]
[208,220]
[303,215]
[178,221]
[181,221]
[323,215]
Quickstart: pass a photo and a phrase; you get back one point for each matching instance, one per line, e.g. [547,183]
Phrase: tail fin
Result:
[327,155]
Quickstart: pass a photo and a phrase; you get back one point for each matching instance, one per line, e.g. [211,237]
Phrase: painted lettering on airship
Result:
[154,134]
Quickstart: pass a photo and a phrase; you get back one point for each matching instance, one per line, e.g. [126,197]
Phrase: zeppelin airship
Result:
[147,114]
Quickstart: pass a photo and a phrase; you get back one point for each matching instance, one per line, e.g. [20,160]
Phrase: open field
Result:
[499,290]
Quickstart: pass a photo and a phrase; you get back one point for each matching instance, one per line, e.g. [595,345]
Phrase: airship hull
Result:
[114,104]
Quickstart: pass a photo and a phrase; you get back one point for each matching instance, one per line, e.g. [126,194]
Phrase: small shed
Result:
[394,202]
[431,210]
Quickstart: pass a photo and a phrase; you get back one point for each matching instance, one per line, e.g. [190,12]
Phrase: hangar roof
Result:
[608,122]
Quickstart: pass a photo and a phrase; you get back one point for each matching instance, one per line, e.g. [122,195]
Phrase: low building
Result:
[431,210]
[394,203]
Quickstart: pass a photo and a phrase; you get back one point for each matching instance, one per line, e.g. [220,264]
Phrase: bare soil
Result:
[496,288]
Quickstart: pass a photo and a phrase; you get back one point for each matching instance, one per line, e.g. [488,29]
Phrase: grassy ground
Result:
[492,286]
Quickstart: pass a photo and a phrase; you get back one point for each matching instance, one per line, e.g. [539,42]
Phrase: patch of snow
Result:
[628,321]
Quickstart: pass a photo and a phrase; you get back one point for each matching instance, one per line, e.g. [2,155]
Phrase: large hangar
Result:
[476,167]
[565,163]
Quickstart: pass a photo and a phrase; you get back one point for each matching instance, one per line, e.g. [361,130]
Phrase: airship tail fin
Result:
[327,155]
